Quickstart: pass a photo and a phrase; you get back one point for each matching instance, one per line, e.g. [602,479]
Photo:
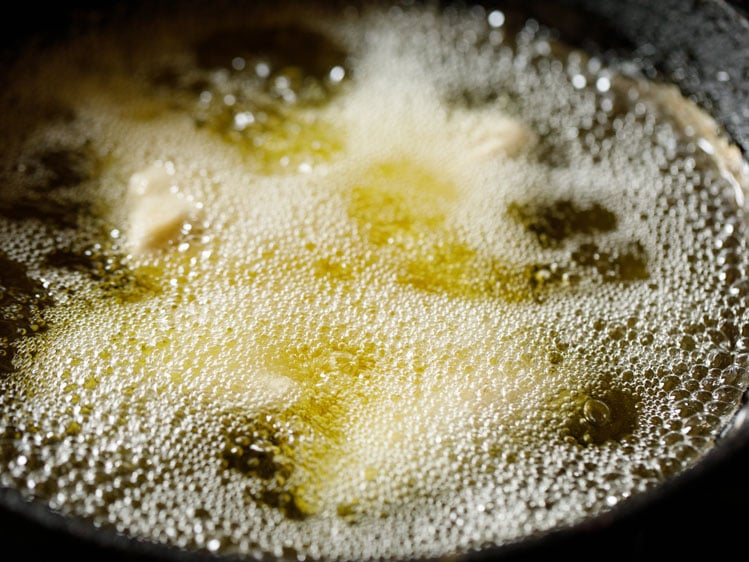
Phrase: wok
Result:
[700,45]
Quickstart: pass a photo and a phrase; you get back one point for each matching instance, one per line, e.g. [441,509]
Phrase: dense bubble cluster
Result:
[445,282]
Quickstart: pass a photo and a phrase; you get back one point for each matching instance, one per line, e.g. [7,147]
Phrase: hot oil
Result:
[439,280]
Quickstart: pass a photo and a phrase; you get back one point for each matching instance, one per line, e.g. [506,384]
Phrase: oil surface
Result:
[444,283]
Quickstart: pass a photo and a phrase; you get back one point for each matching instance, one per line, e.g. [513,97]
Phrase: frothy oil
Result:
[443,283]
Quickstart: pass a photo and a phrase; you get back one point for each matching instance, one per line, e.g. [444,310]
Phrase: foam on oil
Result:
[450,285]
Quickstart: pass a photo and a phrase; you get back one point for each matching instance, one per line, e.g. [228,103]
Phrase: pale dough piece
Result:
[157,211]
[492,134]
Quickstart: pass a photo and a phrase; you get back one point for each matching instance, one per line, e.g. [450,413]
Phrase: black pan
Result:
[703,512]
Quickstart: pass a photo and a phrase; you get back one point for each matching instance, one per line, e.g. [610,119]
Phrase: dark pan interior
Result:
[693,43]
